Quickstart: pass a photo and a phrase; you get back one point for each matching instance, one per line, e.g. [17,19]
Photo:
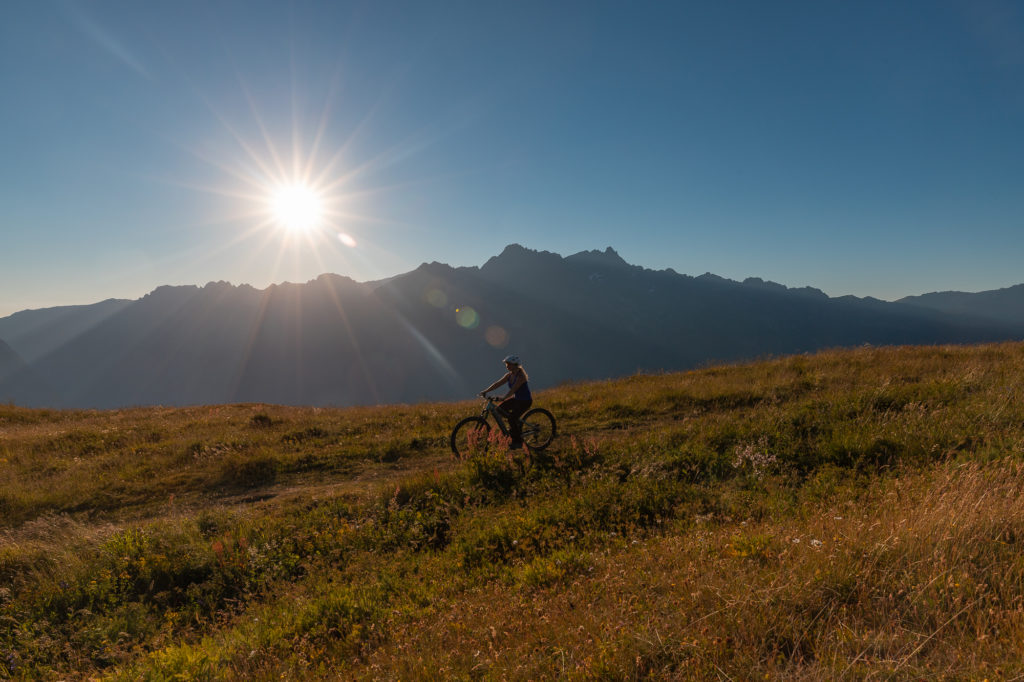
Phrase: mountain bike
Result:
[473,436]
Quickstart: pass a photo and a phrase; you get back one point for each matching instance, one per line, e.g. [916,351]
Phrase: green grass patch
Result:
[844,514]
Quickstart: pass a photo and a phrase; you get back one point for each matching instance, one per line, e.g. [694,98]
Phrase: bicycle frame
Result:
[500,415]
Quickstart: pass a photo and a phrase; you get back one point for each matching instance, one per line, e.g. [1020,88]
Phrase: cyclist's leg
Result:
[516,409]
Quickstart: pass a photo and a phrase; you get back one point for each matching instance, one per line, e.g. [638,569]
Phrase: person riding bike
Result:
[518,398]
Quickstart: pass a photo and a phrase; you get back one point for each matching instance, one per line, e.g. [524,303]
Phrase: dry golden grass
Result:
[919,578]
[847,515]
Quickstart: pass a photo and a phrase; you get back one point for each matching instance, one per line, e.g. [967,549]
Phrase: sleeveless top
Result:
[524,391]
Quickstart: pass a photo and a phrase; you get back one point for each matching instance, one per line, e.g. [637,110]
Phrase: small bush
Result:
[261,421]
[496,470]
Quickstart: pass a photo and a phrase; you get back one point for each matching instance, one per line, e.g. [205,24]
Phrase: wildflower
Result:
[816,543]
[752,456]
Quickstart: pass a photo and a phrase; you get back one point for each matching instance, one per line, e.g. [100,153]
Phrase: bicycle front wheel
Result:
[470,437]
[538,428]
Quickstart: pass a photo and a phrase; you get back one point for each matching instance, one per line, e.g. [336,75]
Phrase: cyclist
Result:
[517,400]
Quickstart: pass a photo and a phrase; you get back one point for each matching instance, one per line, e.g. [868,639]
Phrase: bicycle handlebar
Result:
[494,406]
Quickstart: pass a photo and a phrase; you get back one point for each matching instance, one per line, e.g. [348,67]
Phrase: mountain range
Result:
[439,332]
[1001,305]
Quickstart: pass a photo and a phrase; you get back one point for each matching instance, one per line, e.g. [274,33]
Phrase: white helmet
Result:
[511,359]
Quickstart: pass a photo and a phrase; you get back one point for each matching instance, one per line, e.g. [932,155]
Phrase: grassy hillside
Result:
[848,514]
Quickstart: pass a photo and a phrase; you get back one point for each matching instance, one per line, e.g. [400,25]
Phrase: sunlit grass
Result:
[846,514]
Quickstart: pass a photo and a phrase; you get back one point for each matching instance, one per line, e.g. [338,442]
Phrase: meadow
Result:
[850,514]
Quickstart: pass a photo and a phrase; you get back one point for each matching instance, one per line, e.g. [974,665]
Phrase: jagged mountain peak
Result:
[712,277]
[435,267]
[515,256]
[607,258]
[331,279]
[768,285]
[763,284]
[169,292]
[513,250]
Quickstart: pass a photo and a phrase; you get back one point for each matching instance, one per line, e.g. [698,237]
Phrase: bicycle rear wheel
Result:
[538,428]
[470,437]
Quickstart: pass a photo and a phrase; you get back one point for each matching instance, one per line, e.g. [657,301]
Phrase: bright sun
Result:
[297,208]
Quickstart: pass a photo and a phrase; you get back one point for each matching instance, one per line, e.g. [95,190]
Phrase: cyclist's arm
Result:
[497,383]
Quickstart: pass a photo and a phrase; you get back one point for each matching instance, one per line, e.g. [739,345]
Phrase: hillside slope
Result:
[849,513]
[810,517]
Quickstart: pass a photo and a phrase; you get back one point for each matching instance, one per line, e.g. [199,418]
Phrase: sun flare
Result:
[297,208]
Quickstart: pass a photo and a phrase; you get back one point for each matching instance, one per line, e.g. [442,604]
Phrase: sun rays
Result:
[289,190]
[300,186]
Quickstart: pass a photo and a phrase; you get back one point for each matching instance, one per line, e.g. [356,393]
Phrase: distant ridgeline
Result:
[438,332]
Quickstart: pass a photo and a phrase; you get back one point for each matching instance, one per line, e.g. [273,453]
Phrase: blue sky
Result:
[872,148]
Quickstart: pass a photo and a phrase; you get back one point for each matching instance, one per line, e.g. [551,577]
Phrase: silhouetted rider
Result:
[517,400]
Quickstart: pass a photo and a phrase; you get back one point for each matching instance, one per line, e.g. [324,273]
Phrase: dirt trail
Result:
[362,484]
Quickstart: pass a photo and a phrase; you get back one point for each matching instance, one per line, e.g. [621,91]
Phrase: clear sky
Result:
[864,147]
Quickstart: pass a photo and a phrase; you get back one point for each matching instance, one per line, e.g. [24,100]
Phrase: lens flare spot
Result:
[467,317]
[496,336]
[436,298]
[347,240]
